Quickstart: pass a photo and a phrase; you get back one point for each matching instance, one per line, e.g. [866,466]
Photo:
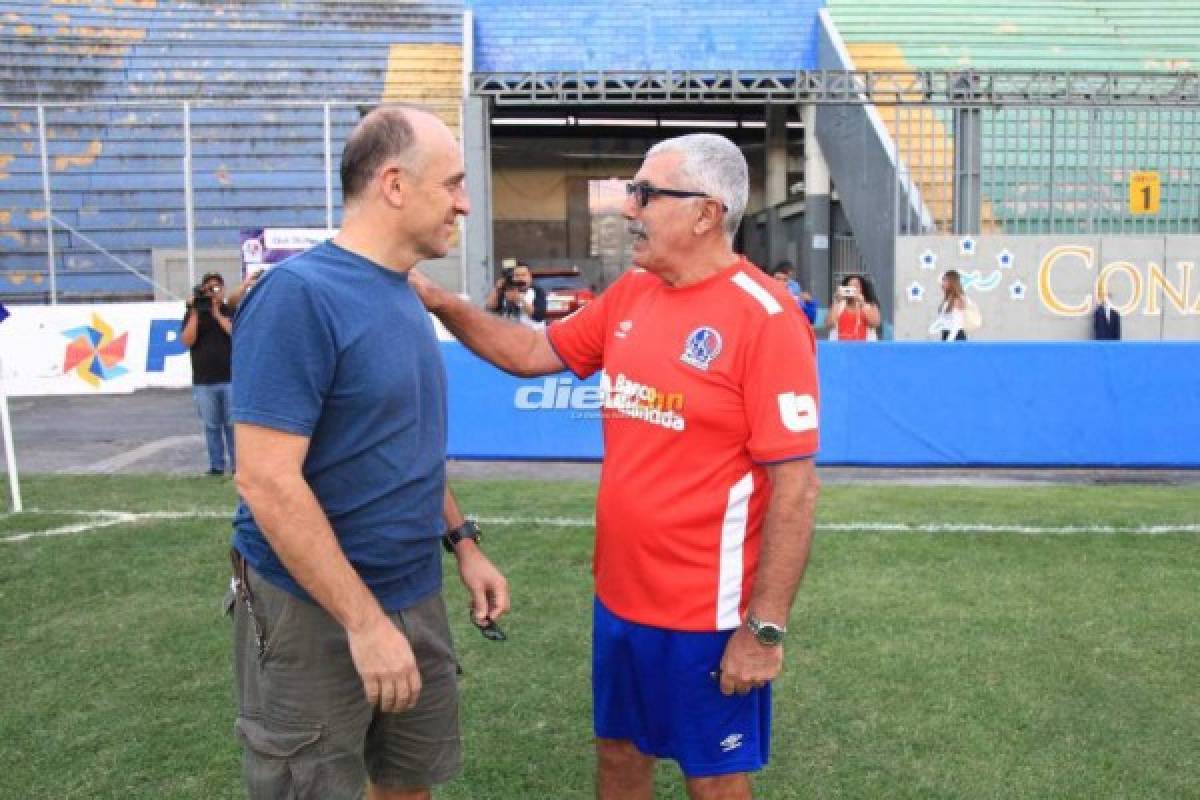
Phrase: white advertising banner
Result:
[93,349]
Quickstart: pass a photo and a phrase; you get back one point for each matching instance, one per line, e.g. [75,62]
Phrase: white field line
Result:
[102,518]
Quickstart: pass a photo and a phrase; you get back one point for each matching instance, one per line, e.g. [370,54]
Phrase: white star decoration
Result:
[1016,290]
[1004,259]
[928,259]
[915,292]
[966,246]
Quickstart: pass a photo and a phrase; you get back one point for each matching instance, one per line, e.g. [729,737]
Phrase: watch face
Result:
[765,632]
[769,634]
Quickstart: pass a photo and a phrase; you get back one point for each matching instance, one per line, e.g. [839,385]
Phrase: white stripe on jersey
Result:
[733,538]
[747,284]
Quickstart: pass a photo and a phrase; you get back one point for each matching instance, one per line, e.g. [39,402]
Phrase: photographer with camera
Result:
[515,296]
[207,331]
[855,311]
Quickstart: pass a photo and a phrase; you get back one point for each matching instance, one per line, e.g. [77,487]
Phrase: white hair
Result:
[714,165]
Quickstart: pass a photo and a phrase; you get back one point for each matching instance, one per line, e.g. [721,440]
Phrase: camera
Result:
[847,291]
[201,300]
[510,282]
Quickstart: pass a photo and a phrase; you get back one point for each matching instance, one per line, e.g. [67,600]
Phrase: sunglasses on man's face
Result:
[644,191]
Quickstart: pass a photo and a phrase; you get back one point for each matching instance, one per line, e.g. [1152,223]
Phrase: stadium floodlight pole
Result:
[10,453]
[41,118]
[328,167]
[189,211]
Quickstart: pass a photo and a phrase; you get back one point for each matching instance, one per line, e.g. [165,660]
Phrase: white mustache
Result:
[637,229]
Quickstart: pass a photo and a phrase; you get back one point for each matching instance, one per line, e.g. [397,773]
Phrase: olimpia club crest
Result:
[702,347]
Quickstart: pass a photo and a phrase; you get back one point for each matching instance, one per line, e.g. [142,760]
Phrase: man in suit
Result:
[1106,321]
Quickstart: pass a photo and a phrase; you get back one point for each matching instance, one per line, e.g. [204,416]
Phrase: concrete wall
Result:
[1043,287]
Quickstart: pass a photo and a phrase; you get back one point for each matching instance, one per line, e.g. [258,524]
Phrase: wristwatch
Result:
[767,633]
[468,530]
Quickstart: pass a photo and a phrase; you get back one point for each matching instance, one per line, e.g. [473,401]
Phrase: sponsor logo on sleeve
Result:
[798,412]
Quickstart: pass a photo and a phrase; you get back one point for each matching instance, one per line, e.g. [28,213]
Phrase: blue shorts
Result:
[655,688]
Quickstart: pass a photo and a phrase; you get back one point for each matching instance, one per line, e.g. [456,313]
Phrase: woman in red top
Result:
[855,309]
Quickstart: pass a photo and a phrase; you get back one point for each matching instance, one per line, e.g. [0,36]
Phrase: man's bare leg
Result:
[735,786]
[382,793]
[622,771]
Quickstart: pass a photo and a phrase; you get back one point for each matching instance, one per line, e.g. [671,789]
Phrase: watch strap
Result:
[468,530]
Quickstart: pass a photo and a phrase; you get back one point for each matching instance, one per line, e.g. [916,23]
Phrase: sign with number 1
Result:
[1145,190]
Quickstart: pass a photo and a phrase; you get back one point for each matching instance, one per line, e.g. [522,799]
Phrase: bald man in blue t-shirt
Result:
[344,668]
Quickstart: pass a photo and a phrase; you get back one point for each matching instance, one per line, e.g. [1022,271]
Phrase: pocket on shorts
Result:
[281,760]
[273,611]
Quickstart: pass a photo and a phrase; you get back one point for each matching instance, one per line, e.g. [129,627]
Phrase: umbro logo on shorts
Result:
[731,742]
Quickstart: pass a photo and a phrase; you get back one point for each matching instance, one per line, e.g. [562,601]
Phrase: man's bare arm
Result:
[486,585]
[787,539]
[512,347]
[270,479]
[191,327]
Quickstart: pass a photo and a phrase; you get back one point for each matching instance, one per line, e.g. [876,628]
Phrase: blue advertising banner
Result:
[1071,404]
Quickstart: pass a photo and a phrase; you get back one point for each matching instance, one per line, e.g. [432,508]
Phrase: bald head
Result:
[390,134]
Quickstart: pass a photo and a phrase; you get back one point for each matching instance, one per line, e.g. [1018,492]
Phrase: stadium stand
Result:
[116,167]
[1081,35]
[549,35]
[1052,35]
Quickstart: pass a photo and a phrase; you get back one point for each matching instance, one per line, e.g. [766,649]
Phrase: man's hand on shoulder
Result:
[385,662]
[430,294]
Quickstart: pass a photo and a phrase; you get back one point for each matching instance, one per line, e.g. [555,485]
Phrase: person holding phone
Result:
[855,310]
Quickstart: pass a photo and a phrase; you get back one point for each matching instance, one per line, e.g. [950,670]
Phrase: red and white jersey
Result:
[703,385]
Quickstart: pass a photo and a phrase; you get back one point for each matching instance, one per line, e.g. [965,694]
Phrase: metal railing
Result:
[91,193]
[1039,170]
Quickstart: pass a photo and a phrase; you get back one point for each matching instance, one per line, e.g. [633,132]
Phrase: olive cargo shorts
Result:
[306,728]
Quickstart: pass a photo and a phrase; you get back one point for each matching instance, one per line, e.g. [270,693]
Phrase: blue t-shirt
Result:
[809,307]
[333,347]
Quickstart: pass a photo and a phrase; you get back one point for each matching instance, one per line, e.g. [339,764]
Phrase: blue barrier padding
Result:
[1072,404]
[496,416]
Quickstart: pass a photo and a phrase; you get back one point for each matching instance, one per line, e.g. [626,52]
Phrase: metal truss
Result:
[838,87]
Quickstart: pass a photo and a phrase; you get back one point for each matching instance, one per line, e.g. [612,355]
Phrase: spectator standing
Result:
[782,272]
[855,310]
[206,331]
[1106,320]
[951,316]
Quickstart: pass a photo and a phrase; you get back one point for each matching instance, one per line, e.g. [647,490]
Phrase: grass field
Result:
[1035,661]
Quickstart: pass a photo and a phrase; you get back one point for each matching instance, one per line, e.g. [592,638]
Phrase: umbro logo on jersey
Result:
[702,347]
[731,742]
[798,412]
[624,328]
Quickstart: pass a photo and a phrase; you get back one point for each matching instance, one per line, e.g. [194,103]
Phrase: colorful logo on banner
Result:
[93,354]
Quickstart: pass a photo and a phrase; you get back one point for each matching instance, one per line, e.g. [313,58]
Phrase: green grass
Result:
[919,666]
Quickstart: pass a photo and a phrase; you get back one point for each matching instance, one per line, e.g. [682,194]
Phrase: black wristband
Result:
[468,530]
